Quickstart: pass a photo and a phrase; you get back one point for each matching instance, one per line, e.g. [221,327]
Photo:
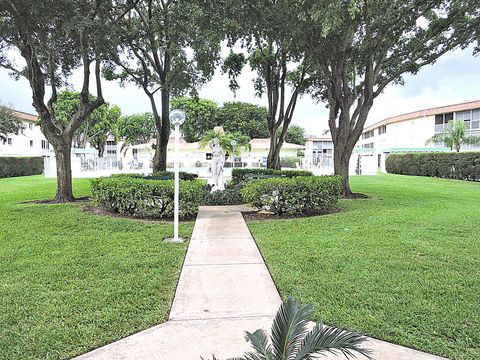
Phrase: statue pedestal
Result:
[220,187]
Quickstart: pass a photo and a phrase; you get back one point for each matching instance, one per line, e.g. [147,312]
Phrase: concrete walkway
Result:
[224,290]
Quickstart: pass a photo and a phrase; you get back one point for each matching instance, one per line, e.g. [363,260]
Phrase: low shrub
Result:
[462,166]
[20,166]
[294,196]
[232,195]
[169,175]
[289,162]
[143,198]
[238,175]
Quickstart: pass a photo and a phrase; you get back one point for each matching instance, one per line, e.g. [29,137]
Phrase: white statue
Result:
[218,160]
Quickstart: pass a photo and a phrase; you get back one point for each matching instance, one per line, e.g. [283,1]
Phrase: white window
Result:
[45,144]
[476,119]
[31,143]
[9,141]
[30,126]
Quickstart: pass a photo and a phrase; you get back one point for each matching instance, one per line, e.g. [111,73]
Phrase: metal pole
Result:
[233,157]
[177,184]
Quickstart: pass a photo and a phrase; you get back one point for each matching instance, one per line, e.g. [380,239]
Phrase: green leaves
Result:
[200,116]
[291,338]
[294,196]
[9,123]
[454,136]
[144,198]
[243,141]
[137,128]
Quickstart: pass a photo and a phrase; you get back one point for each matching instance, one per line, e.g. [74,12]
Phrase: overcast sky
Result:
[454,78]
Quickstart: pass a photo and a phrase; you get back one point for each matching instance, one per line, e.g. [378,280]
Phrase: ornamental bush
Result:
[232,195]
[294,196]
[20,166]
[144,198]
[462,166]
[169,175]
[239,175]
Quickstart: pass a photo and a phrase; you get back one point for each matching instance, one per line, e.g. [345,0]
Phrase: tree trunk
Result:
[341,162]
[273,159]
[101,149]
[63,159]
[163,134]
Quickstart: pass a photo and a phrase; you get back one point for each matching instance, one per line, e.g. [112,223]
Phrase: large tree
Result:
[200,116]
[54,38]
[246,118]
[155,36]
[357,48]
[295,135]
[99,125]
[9,123]
[136,129]
[268,33]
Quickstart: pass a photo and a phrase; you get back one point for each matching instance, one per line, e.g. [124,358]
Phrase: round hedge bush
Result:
[144,198]
[294,196]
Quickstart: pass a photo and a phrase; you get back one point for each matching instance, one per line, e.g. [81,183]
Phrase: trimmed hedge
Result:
[143,198]
[169,175]
[462,166]
[20,166]
[232,195]
[294,196]
[238,175]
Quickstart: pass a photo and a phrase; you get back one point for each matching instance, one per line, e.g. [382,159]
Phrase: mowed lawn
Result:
[402,266]
[71,281]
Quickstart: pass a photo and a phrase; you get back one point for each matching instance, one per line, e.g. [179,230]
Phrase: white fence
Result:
[96,167]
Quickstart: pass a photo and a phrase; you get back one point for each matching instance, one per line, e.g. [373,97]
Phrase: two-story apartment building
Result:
[29,142]
[410,132]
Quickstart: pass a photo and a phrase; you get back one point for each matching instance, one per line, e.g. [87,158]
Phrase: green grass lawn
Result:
[71,281]
[402,266]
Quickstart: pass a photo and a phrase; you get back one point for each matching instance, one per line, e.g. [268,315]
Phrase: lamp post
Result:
[177,118]
[233,143]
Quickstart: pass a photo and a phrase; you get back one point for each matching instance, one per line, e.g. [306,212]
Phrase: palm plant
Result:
[225,138]
[292,339]
[454,136]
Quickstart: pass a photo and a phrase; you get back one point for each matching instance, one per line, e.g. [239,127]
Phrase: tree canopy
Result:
[152,53]
[9,123]
[357,48]
[95,130]
[248,119]
[136,129]
[54,38]
[295,135]
[200,116]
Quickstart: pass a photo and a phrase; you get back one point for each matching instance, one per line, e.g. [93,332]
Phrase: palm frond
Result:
[329,339]
[289,327]
[471,140]
[259,341]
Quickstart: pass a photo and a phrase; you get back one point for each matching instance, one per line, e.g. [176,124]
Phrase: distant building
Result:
[29,142]
[403,133]
[410,132]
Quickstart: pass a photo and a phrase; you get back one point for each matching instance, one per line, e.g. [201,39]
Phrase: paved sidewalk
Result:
[224,290]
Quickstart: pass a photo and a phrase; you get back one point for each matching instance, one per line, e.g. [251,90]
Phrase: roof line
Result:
[410,115]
